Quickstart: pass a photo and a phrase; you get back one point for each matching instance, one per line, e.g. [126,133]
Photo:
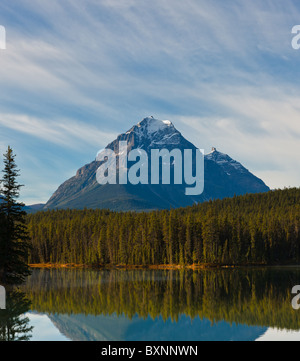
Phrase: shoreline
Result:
[151,267]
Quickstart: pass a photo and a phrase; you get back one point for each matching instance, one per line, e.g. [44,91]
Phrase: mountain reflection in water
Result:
[165,305]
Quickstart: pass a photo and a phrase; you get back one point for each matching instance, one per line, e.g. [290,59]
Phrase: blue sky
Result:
[76,74]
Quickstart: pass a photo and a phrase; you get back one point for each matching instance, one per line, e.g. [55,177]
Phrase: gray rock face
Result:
[224,177]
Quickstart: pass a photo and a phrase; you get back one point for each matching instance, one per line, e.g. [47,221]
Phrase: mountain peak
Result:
[152,132]
[224,177]
[154,125]
[225,162]
[214,153]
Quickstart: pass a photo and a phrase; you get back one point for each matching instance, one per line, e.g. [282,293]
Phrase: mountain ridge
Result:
[224,177]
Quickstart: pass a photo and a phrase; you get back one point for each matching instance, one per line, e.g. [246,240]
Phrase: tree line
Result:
[250,229]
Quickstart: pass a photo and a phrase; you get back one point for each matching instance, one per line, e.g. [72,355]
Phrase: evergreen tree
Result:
[14,240]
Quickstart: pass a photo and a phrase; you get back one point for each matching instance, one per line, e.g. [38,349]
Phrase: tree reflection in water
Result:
[253,297]
[14,325]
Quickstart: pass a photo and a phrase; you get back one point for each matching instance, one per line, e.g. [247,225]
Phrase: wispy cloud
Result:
[223,71]
[65,132]
[262,131]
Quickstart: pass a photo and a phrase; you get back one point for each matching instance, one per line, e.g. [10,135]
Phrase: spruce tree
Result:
[14,240]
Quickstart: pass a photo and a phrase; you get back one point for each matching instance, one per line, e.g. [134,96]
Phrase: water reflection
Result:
[14,325]
[165,305]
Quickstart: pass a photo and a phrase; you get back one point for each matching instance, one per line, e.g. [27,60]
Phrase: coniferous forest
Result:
[244,230]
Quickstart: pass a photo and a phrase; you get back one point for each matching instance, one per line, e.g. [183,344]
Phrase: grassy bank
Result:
[158,267]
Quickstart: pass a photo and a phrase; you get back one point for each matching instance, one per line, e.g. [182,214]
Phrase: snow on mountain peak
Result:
[213,150]
[151,125]
[167,122]
[224,160]
[155,132]
[154,124]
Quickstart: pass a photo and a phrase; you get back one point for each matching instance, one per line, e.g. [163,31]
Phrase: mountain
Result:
[33,208]
[80,327]
[30,208]
[223,177]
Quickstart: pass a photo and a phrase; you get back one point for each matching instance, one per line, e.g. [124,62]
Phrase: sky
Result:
[75,74]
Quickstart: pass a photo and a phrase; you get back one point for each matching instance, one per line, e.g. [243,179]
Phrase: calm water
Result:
[244,304]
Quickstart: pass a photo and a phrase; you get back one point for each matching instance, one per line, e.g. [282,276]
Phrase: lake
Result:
[160,305]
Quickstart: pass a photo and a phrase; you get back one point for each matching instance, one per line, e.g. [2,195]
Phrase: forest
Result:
[254,229]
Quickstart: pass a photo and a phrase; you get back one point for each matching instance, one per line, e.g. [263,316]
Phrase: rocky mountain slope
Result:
[223,177]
